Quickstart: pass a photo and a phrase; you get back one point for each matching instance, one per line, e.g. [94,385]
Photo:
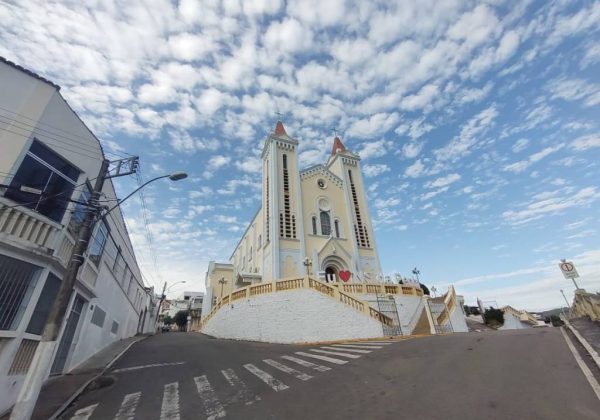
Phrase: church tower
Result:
[346,165]
[283,227]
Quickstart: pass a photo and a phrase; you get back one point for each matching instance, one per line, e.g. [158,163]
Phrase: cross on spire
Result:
[334,131]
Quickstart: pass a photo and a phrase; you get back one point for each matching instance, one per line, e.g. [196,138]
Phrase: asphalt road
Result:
[526,374]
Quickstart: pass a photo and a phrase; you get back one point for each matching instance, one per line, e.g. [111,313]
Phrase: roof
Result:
[338,146]
[29,72]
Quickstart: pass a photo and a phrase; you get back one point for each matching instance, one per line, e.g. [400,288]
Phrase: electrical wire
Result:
[73,136]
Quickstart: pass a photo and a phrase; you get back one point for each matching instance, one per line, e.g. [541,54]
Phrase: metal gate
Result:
[437,310]
[388,308]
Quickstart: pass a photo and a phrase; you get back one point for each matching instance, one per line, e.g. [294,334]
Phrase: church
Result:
[311,238]
[312,221]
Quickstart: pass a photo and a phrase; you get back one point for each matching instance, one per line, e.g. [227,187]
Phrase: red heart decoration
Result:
[345,275]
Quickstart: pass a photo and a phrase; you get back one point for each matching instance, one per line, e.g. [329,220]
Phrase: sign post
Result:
[569,271]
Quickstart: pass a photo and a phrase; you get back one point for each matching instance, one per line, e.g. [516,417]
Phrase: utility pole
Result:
[42,358]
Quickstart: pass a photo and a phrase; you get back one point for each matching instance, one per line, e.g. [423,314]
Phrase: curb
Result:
[584,343]
[80,390]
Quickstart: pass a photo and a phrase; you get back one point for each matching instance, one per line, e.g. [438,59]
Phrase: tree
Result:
[181,319]
[425,289]
[167,320]
[472,310]
[493,317]
[556,321]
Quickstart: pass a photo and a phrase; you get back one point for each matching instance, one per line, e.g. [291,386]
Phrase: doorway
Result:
[331,274]
[66,341]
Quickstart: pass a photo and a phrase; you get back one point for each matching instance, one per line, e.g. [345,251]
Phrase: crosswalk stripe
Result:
[300,375]
[321,357]
[304,363]
[337,353]
[349,350]
[170,402]
[84,413]
[128,406]
[213,407]
[276,384]
[243,393]
[356,346]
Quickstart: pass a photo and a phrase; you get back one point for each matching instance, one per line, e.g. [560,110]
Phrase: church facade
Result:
[312,221]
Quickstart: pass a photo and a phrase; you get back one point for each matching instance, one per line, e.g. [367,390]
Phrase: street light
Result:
[42,359]
[222,281]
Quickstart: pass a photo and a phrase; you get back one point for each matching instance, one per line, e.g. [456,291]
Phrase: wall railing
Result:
[338,292]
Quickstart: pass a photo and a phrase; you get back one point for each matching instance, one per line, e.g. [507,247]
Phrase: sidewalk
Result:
[590,330]
[59,391]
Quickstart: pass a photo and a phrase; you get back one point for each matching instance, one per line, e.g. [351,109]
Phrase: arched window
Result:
[325,223]
[336,225]
[314,225]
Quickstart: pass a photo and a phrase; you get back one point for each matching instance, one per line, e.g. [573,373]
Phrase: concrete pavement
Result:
[526,374]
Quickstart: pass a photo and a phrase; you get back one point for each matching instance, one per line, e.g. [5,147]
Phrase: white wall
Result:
[405,305]
[457,318]
[512,322]
[295,316]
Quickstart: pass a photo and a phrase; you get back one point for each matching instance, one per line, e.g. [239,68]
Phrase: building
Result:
[515,319]
[312,235]
[312,221]
[48,160]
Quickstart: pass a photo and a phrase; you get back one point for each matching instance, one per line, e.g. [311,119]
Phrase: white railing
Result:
[412,324]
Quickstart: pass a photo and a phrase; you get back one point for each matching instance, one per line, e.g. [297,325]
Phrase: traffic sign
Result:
[568,269]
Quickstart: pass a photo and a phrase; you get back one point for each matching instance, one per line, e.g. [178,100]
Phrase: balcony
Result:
[28,230]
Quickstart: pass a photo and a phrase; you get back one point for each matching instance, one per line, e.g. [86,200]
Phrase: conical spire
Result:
[338,146]
[280,129]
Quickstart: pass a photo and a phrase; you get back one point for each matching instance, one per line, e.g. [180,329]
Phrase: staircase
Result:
[422,327]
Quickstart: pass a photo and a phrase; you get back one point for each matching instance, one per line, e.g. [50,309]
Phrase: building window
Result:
[44,182]
[98,317]
[17,281]
[97,245]
[115,327]
[259,241]
[250,257]
[314,225]
[43,306]
[325,223]
[336,225]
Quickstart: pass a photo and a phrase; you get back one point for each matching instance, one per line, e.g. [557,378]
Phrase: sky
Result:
[477,124]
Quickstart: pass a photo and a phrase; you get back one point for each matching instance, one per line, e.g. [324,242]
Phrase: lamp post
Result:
[433,290]
[416,272]
[222,282]
[42,359]
[307,263]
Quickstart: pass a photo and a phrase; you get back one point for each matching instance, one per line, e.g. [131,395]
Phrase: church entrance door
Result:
[331,274]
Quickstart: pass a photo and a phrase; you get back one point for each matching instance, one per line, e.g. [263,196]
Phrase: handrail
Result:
[301,283]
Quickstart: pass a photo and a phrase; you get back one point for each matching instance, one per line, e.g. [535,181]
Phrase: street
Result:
[524,374]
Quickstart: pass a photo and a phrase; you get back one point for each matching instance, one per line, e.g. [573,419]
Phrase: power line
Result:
[37,123]
[49,197]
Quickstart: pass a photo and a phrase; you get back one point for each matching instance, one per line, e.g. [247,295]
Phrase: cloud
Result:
[373,125]
[586,142]
[374,170]
[520,166]
[443,181]
[190,46]
[415,170]
[429,195]
[412,149]
[373,149]
[537,209]
[520,145]
[462,144]
[250,165]
[575,90]
[288,36]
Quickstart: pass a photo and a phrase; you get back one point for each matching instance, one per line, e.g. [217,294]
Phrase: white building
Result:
[48,160]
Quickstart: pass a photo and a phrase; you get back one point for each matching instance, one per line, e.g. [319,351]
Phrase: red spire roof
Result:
[280,129]
[338,146]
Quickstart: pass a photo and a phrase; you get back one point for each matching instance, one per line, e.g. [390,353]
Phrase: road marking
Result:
[170,402]
[84,413]
[304,363]
[377,343]
[243,393]
[300,375]
[320,357]
[336,353]
[586,371]
[276,384]
[213,407]
[147,366]
[356,346]
[128,406]
[347,349]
